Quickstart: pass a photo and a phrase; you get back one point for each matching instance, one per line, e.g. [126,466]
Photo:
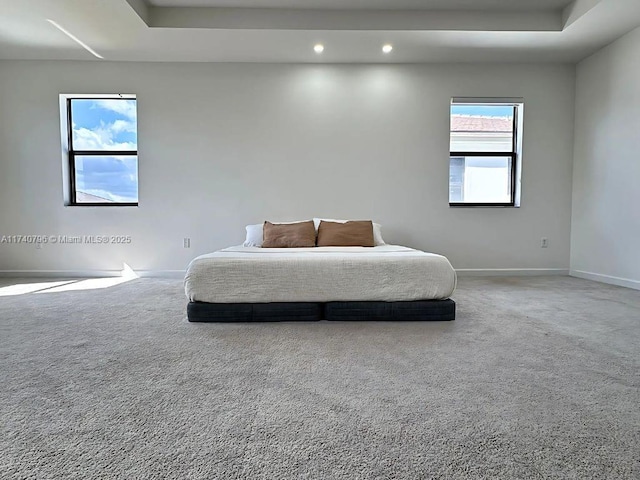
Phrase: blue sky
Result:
[109,124]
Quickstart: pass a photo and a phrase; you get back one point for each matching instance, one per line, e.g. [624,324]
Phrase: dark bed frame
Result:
[422,310]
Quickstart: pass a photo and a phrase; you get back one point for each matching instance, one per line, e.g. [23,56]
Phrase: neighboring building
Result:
[480,179]
[82,197]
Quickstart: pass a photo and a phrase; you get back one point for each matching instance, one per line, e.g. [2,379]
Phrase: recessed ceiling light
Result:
[75,39]
[387,48]
[318,48]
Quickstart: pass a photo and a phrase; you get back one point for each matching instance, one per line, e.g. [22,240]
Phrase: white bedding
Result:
[320,274]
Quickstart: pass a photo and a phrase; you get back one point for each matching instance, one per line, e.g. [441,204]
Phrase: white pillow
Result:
[377,229]
[255,233]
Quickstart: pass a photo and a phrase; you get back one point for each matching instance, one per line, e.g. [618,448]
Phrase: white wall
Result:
[605,237]
[223,145]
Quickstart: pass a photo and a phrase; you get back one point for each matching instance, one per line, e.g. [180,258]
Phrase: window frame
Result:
[513,154]
[72,154]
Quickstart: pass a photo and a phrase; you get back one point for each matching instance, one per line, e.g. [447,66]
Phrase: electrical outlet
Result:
[544,242]
[186,243]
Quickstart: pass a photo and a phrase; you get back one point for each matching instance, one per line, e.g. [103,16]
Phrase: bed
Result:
[385,282]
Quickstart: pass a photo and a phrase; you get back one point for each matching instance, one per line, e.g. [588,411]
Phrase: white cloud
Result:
[123,126]
[126,108]
[103,137]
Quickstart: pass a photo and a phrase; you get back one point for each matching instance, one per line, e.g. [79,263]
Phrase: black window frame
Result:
[513,154]
[72,153]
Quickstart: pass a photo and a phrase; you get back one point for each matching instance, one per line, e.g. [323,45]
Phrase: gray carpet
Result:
[537,378]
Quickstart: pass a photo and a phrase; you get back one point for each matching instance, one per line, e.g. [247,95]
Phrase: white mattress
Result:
[320,274]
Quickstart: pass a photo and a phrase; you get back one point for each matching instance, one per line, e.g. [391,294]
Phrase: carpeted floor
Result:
[537,378]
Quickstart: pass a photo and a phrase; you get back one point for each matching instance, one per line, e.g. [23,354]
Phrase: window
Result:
[102,150]
[484,153]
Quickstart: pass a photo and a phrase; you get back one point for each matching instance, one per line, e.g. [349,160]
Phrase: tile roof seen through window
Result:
[477,123]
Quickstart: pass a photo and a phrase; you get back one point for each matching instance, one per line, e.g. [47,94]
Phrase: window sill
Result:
[101,205]
[483,205]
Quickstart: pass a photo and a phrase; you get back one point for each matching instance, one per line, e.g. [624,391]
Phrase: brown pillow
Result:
[288,235]
[357,233]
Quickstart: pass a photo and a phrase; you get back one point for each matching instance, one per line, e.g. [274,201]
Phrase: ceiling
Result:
[352,31]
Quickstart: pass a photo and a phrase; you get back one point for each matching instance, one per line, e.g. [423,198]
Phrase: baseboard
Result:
[510,272]
[89,273]
[161,273]
[463,272]
[598,277]
[60,273]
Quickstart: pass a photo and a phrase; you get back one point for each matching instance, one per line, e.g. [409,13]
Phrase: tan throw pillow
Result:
[289,235]
[358,233]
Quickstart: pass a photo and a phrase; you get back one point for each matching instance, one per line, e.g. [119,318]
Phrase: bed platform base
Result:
[422,310]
